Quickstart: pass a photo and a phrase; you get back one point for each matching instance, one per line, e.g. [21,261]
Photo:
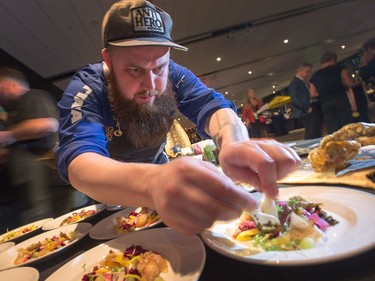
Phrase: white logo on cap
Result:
[147,19]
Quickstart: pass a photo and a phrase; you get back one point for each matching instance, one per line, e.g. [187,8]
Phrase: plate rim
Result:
[296,262]
[24,268]
[100,207]
[43,221]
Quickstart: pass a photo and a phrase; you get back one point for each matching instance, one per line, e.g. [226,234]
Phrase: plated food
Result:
[141,217]
[347,238]
[124,222]
[43,245]
[173,247]
[75,216]
[302,225]
[23,231]
[134,263]
[78,216]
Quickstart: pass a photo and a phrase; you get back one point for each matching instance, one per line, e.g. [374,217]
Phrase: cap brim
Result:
[147,42]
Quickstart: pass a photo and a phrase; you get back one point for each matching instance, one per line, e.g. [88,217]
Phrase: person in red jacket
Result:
[255,123]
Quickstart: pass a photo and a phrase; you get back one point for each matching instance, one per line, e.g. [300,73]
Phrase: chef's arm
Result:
[224,126]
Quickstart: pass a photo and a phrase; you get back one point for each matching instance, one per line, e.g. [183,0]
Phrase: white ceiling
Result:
[55,38]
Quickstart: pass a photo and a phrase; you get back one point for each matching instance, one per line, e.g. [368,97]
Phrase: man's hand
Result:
[195,195]
[258,162]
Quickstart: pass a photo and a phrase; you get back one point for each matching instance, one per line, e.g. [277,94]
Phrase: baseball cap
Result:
[130,23]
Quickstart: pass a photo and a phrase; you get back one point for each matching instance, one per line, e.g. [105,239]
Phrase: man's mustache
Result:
[149,94]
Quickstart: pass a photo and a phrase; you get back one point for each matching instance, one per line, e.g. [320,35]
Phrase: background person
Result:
[367,61]
[30,132]
[115,117]
[333,87]
[305,107]
[255,123]
[367,71]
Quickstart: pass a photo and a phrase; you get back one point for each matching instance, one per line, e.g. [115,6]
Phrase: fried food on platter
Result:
[341,146]
[362,132]
[333,155]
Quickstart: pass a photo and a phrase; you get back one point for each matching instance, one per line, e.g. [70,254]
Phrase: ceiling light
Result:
[270,74]
[273,92]
[249,72]
[218,59]
[273,86]
[329,41]
[343,46]
[286,41]
[226,93]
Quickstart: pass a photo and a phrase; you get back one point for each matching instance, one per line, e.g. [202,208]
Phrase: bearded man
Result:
[115,117]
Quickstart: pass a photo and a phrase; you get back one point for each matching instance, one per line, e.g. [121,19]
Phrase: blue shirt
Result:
[87,123]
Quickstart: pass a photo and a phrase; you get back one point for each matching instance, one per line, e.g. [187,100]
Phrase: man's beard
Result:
[144,125]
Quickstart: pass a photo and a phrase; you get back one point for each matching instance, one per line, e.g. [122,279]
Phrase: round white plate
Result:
[57,221]
[353,235]
[6,245]
[186,254]
[20,274]
[38,224]
[105,229]
[7,257]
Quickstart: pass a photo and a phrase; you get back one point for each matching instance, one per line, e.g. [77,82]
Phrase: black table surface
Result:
[360,267]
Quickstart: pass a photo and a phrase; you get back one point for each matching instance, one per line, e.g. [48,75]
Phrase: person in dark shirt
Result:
[333,87]
[305,107]
[29,133]
[367,71]
[367,61]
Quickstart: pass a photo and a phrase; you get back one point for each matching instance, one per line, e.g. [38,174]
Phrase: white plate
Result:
[20,274]
[186,254]
[105,229]
[39,224]
[6,245]
[57,221]
[353,235]
[7,257]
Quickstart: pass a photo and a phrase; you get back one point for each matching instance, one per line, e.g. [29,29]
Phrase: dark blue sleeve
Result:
[195,100]
[82,127]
